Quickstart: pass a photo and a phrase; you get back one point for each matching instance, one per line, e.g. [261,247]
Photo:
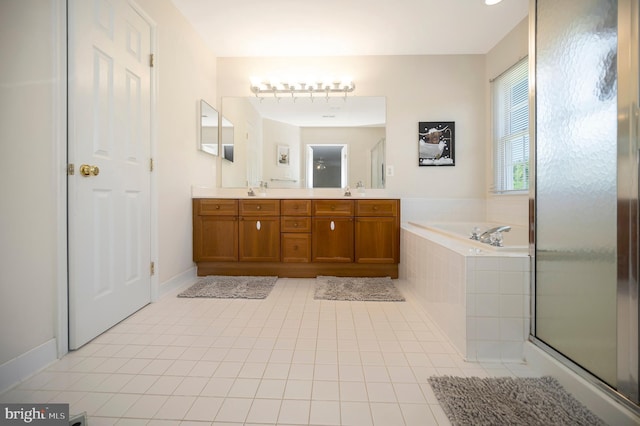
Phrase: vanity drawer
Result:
[376,207]
[295,207]
[296,248]
[332,207]
[215,207]
[295,224]
[259,207]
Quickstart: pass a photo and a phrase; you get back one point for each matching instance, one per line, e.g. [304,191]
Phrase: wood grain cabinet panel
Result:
[259,239]
[377,231]
[295,207]
[332,239]
[215,235]
[332,208]
[296,247]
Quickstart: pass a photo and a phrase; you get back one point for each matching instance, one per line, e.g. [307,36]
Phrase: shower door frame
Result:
[627,390]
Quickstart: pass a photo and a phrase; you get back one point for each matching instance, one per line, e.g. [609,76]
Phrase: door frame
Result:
[60,157]
[344,162]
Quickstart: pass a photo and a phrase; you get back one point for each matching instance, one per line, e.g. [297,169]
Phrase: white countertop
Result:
[212,192]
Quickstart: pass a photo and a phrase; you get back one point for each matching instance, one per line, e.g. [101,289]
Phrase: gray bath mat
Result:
[225,287]
[360,289]
[509,401]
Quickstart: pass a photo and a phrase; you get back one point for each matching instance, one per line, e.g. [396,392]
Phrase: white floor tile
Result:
[175,407]
[270,388]
[264,411]
[355,413]
[325,413]
[204,409]
[234,410]
[294,412]
[288,359]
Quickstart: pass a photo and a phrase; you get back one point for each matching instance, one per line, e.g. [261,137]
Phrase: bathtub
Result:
[476,294]
[515,240]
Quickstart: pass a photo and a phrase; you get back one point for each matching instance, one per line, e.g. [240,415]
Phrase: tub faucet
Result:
[485,237]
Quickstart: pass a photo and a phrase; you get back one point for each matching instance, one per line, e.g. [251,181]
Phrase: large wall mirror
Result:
[306,143]
[208,128]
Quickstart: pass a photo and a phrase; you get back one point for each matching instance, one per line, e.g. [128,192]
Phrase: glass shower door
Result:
[576,181]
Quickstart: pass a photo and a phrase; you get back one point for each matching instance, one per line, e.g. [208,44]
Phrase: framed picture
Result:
[283,155]
[436,143]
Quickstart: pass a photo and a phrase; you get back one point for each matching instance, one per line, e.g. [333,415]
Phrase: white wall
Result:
[30,177]
[186,71]
[510,209]
[276,133]
[417,88]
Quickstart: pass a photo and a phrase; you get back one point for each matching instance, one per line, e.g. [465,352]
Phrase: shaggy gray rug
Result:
[229,287]
[359,289]
[509,401]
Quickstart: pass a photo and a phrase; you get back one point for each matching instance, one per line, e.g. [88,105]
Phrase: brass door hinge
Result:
[151,60]
[71,170]
[153,268]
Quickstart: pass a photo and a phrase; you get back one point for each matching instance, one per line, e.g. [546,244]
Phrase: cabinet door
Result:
[215,238]
[259,239]
[377,240]
[332,239]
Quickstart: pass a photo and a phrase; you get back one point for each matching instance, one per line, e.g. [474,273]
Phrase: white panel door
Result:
[109,132]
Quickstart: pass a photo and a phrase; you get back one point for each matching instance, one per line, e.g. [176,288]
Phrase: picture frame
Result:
[282,156]
[436,143]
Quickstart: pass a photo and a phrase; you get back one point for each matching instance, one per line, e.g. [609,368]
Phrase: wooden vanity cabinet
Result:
[377,231]
[259,230]
[297,237]
[215,230]
[332,231]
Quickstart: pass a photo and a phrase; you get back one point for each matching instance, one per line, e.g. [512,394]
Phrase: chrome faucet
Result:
[489,237]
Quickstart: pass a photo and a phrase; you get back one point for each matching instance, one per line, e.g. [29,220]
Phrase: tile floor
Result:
[286,360]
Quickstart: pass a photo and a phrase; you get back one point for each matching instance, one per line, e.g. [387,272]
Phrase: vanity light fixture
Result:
[308,89]
[491,2]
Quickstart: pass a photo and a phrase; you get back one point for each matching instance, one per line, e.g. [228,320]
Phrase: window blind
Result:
[510,94]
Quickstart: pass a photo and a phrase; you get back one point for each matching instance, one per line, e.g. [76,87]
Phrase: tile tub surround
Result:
[480,301]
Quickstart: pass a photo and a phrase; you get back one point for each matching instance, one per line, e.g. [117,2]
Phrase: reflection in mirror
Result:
[227,139]
[264,127]
[208,128]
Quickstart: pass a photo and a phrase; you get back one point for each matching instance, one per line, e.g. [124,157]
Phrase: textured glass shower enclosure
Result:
[585,230]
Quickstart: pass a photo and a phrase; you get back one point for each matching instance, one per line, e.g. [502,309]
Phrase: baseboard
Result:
[23,366]
[609,409]
[178,282]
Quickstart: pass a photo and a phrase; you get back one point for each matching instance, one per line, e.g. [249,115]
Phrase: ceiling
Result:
[352,111]
[243,28]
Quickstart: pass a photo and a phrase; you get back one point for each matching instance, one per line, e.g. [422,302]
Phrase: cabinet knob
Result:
[333,207]
[217,206]
[258,207]
[295,224]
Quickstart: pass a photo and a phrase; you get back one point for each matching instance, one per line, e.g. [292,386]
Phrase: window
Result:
[510,94]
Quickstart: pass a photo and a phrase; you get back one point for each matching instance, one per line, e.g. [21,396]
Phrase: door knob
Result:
[87,170]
